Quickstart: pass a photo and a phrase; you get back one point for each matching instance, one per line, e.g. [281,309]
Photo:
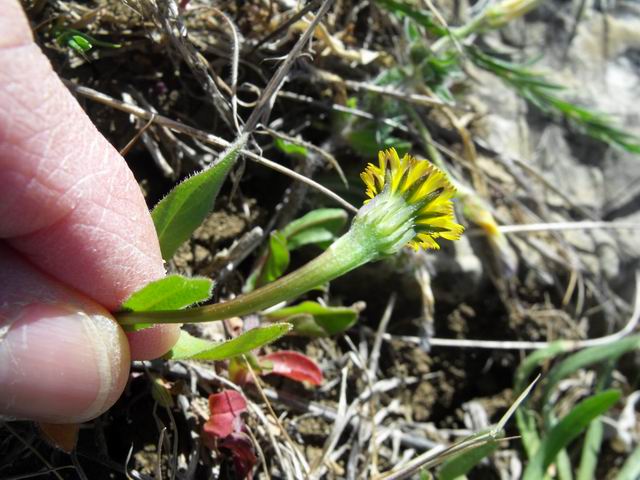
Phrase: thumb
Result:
[63,358]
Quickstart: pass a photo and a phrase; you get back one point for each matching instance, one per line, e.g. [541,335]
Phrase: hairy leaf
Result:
[317,226]
[178,214]
[315,320]
[190,347]
[172,292]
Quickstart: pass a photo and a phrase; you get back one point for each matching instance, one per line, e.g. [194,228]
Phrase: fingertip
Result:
[153,342]
[60,364]
[14,25]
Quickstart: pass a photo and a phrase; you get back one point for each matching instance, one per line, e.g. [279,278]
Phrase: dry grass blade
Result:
[414,98]
[291,444]
[167,15]
[32,449]
[344,415]
[560,226]
[204,137]
[124,150]
[235,62]
[263,108]
[431,458]
[571,345]
[323,153]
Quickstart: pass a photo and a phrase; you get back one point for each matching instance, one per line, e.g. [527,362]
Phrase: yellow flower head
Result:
[426,196]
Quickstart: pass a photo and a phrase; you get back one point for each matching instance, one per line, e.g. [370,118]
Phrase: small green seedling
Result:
[79,41]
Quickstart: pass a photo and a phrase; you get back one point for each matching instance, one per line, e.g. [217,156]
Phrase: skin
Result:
[76,239]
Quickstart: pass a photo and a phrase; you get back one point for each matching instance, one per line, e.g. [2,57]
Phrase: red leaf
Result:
[225,408]
[294,365]
[242,451]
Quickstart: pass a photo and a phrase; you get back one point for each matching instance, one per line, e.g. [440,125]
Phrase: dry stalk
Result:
[571,345]
[204,137]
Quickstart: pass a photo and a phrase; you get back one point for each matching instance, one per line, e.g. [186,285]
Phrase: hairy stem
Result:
[344,255]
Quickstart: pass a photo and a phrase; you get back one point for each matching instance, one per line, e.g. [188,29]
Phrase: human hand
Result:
[76,239]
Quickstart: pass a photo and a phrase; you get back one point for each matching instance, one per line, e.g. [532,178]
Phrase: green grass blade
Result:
[590,451]
[184,209]
[193,348]
[421,18]
[525,417]
[631,468]
[460,465]
[543,93]
[532,361]
[566,430]
[526,422]
[586,358]
[563,464]
[593,438]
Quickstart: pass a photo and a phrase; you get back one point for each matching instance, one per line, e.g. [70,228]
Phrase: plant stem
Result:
[345,254]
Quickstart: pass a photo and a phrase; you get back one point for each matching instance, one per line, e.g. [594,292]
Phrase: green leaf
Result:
[172,292]
[318,226]
[566,430]
[79,43]
[631,468]
[289,148]
[178,214]
[313,236]
[458,466]
[315,320]
[272,264]
[193,348]
[276,262]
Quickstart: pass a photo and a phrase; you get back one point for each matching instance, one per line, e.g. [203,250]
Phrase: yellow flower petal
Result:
[424,187]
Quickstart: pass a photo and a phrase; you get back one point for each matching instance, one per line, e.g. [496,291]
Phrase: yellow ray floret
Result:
[423,186]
